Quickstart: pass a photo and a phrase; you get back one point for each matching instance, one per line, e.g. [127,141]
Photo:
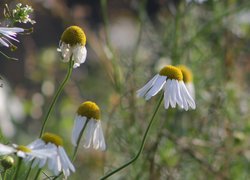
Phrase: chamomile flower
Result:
[28,153]
[58,162]
[188,79]
[88,117]
[7,33]
[72,45]
[170,79]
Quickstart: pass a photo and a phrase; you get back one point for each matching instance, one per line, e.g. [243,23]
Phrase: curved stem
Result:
[141,146]
[78,140]
[18,168]
[70,68]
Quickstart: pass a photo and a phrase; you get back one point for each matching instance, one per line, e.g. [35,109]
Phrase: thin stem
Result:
[142,143]
[78,140]
[38,173]
[19,162]
[77,145]
[28,173]
[70,68]
[5,174]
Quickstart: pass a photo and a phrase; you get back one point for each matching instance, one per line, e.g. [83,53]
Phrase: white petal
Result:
[172,94]
[11,30]
[3,42]
[21,154]
[4,149]
[98,139]
[37,144]
[89,133]
[190,88]
[78,125]
[157,86]
[187,95]
[167,94]
[178,94]
[65,159]
[79,55]
[141,92]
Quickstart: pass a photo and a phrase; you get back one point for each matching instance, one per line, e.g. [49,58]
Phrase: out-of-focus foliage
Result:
[128,42]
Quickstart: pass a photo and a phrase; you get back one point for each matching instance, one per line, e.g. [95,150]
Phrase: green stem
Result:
[141,146]
[38,173]
[19,162]
[77,145]
[5,174]
[28,173]
[70,68]
[78,140]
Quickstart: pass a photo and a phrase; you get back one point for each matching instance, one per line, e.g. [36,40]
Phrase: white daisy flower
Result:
[88,117]
[72,44]
[58,162]
[28,153]
[7,33]
[188,79]
[170,79]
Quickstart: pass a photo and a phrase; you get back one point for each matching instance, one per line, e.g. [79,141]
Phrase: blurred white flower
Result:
[170,79]
[7,33]
[196,1]
[11,109]
[28,153]
[88,117]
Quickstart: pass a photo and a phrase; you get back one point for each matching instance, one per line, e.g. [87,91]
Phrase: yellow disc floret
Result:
[52,138]
[171,72]
[74,35]
[90,110]
[187,73]
[23,149]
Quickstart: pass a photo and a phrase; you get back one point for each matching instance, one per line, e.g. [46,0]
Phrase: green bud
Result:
[7,162]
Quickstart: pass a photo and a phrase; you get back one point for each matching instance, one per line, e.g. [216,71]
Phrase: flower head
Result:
[88,117]
[28,153]
[170,79]
[72,45]
[59,161]
[188,79]
[7,33]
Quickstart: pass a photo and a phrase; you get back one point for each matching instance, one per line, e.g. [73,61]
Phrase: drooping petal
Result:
[99,141]
[79,55]
[78,125]
[178,94]
[167,94]
[187,96]
[4,149]
[89,134]
[66,163]
[157,86]
[141,92]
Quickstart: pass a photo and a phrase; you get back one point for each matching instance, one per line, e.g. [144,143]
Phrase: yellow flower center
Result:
[171,72]
[74,35]
[187,73]
[90,110]
[23,149]
[52,138]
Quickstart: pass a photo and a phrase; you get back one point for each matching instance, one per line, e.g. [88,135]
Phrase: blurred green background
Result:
[128,41]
